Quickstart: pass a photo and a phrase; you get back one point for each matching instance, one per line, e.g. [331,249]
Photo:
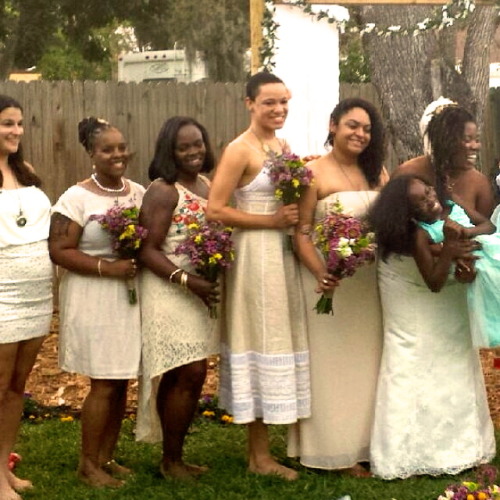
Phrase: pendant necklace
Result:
[265,147]
[20,219]
[108,190]
[365,198]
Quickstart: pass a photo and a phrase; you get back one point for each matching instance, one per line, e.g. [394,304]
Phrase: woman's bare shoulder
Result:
[415,166]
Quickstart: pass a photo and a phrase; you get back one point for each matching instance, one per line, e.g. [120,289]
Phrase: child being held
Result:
[442,240]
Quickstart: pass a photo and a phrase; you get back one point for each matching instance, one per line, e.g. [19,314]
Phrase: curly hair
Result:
[446,135]
[371,160]
[24,174]
[88,130]
[392,217]
[164,163]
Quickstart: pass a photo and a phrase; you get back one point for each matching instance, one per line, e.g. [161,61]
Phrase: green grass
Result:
[50,454]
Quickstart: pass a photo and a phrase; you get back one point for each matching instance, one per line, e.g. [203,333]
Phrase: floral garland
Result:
[443,17]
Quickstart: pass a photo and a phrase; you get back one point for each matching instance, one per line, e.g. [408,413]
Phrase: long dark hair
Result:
[371,160]
[446,135]
[164,164]
[20,169]
[392,217]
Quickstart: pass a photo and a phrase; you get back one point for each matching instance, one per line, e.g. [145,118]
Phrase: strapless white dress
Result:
[345,352]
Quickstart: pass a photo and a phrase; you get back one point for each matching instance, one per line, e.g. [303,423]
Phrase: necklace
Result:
[108,190]
[265,147]
[364,197]
[20,219]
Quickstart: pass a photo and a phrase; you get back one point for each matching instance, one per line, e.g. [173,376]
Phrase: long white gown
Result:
[432,414]
[345,352]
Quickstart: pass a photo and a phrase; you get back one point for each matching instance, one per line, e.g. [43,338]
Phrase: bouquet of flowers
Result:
[122,225]
[289,175]
[210,250]
[481,489]
[345,244]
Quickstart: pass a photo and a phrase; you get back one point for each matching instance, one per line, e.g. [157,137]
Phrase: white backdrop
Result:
[307,60]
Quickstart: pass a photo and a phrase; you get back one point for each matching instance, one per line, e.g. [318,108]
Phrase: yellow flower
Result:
[295,183]
[198,238]
[69,418]
[129,231]
[227,419]
[279,194]
[482,495]
[193,225]
[217,256]
[208,413]
[212,261]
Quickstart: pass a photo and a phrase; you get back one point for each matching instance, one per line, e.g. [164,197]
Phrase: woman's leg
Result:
[16,362]
[260,459]
[113,427]
[177,400]
[96,411]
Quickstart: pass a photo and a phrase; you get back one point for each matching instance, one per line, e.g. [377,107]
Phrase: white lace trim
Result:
[274,387]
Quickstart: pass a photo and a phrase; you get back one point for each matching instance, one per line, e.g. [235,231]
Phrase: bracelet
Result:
[173,273]
[99,262]
[184,279]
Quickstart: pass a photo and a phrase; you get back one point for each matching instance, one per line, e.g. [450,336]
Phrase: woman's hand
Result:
[326,282]
[207,291]
[452,230]
[121,268]
[465,271]
[286,216]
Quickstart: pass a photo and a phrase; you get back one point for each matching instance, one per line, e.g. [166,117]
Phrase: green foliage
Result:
[353,64]
[50,458]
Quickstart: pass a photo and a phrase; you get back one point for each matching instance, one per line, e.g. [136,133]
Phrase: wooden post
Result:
[256,15]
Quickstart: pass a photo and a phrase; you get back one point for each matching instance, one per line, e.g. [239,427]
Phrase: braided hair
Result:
[89,129]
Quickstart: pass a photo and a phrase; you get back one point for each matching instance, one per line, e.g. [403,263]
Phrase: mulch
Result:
[49,386]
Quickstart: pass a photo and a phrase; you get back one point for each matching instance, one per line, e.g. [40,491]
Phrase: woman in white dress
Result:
[25,282]
[100,334]
[345,348]
[178,334]
[264,375]
[432,413]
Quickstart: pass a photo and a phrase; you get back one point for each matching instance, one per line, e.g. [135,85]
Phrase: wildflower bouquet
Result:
[345,244]
[481,489]
[289,175]
[122,225]
[210,250]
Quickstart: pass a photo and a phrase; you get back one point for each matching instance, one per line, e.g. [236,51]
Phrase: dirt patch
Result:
[51,387]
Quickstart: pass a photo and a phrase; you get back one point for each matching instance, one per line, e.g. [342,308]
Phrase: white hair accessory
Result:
[433,109]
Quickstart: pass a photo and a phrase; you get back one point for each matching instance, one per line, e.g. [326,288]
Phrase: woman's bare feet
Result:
[270,466]
[113,468]
[97,478]
[356,471]
[181,470]
[17,483]
[7,493]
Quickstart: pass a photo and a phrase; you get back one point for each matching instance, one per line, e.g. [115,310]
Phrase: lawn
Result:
[50,446]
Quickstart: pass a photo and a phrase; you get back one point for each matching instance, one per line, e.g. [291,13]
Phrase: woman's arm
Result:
[434,270]
[482,225]
[305,248]
[64,237]
[157,209]
[231,170]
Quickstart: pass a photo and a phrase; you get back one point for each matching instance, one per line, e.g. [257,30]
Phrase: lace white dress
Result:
[345,352]
[264,369]
[432,414]
[176,327]
[100,331]
[25,266]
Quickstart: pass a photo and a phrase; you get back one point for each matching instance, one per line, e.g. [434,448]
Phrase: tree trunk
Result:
[410,71]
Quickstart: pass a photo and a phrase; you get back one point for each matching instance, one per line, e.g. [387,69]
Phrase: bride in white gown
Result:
[345,348]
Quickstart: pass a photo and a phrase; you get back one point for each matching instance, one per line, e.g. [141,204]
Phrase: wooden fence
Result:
[52,111]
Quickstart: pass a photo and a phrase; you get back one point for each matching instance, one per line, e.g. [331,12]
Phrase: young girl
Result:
[427,224]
